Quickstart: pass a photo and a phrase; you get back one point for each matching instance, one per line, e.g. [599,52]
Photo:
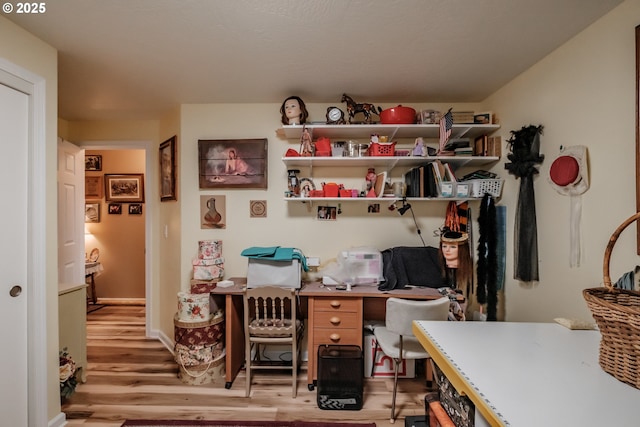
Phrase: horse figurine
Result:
[366,109]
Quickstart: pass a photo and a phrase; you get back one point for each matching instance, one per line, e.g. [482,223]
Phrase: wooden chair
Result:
[396,338]
[270,317]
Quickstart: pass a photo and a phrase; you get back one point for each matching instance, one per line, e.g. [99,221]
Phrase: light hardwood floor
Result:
[130,376]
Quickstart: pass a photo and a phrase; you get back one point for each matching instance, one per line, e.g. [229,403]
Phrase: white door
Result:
[70,215]
[14,167]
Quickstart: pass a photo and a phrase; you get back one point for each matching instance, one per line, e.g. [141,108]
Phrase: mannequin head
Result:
[455,254]
[293,111]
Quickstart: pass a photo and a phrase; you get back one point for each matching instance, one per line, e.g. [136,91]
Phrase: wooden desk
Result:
[336,317]
[364,302]
[234,328]
[529,374]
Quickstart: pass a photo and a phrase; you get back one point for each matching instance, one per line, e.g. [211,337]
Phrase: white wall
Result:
[287,224]
[28,52]
[583,93]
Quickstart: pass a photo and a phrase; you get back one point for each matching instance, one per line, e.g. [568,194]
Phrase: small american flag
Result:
[446,123]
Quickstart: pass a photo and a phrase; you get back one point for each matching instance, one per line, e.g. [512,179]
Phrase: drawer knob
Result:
[335,320]
[335,337]
[335,304]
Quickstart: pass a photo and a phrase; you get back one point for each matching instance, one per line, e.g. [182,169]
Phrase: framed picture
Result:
[168,170]
[135,209]
[483,118]
[232,163]
[326,213]
[124,188]
[213,211]
[93,162]
[115,209]
[93,187]
[92,212]
[257,209]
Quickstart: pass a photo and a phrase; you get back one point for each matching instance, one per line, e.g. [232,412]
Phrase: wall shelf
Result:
[387,162]
[378,199]
[472,131]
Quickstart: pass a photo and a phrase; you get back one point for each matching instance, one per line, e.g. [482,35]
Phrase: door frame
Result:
[150,202]
[34,86]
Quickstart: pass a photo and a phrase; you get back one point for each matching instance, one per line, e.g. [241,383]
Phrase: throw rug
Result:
[200,423]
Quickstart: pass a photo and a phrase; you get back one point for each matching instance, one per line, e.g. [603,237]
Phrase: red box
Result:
[203,286]
[382,149]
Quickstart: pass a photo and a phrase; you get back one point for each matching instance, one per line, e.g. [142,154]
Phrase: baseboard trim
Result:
[121,301]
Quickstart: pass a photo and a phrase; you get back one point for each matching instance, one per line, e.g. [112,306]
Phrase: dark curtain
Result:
[524,147]
[487,269]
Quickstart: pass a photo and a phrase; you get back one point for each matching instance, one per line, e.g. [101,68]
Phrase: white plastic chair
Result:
[396,338]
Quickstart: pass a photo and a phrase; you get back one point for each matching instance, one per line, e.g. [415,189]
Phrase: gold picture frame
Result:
[124,188]
[93,187]
[168,170]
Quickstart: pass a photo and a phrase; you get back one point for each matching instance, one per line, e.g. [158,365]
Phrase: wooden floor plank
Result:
[130,376]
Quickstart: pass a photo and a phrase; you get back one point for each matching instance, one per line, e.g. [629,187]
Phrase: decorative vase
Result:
[212,216]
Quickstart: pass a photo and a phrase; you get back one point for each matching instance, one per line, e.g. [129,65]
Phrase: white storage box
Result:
[263,272]
[384,364]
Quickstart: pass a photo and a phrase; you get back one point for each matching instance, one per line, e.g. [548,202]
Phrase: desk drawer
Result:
[333,304]
[337,336]
[335,319]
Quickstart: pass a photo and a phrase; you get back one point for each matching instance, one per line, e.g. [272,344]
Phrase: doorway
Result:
[119,238]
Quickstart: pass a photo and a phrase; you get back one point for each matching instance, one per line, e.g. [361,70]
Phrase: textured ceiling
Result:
[136,59]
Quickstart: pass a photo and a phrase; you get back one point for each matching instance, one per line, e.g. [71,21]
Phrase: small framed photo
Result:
[168,170]
[92,212]
[135,209]
[93,162]
[124,188]
[93,187]
[115,209]
[483,118]
[327,213]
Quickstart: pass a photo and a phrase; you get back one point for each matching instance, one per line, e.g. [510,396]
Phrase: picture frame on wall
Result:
[115,209]
[135,209]
[92,212]
[168,170]
[93,162]
[93,187]
[124,188]
[232,163]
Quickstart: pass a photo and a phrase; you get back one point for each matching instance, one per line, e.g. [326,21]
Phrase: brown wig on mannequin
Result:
[455,259]
[304,114]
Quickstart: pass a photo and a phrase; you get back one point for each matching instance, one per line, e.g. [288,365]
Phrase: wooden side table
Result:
[91,269]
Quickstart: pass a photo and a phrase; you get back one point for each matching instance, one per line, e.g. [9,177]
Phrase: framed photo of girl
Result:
[168,170]
[232,163]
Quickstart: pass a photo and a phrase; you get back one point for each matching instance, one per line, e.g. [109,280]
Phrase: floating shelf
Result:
[293,132]
[388,162]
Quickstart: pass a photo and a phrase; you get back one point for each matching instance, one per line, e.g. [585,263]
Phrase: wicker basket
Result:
[617,314]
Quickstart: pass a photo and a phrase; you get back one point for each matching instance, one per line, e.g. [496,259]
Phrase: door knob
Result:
[15,291]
